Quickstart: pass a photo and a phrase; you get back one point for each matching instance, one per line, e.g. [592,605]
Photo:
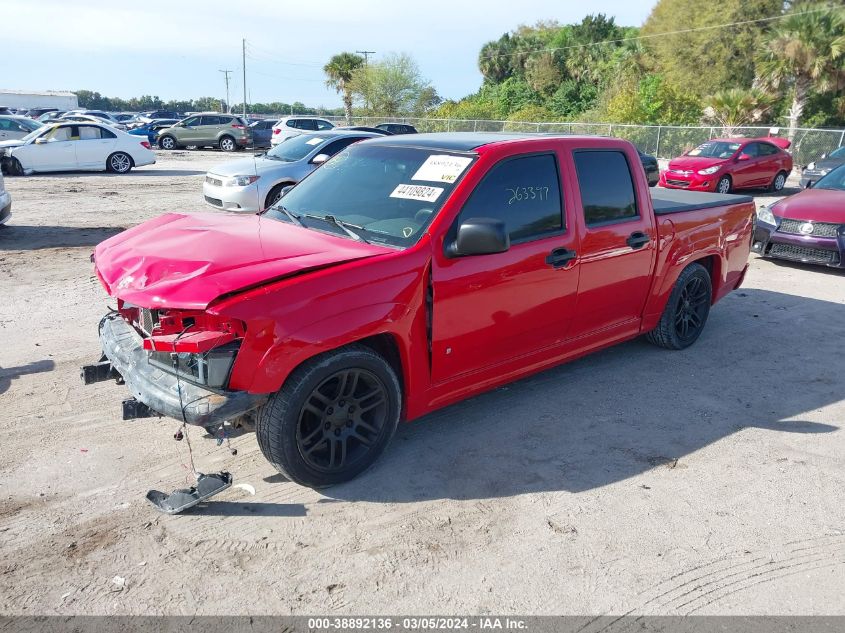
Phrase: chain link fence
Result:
[662,141]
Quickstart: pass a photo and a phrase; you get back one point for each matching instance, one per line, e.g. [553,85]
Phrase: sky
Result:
[175,50]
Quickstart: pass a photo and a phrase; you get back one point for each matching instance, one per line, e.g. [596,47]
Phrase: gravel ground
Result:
[706,481]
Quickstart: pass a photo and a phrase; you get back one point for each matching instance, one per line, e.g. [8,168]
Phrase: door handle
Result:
[637,239]
[560,257]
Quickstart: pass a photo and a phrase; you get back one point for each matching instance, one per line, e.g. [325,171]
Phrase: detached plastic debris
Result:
[184,498]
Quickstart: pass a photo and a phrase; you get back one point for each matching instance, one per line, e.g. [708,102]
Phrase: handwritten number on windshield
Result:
[520,194]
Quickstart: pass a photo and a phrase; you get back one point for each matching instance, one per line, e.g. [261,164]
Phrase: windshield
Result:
[715,149]
[834,180]
[296,147]
[36,132]
[390,193]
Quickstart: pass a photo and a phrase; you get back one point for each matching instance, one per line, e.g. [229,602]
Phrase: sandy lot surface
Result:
[707,481]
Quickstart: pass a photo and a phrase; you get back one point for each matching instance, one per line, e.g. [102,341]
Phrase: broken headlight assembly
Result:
[197,346]
[209,369]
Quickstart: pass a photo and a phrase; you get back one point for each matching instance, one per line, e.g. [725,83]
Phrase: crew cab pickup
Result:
[408,273]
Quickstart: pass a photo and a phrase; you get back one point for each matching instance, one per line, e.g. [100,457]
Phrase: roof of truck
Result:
[469,141]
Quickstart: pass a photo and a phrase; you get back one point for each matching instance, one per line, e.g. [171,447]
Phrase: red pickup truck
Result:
[407,273]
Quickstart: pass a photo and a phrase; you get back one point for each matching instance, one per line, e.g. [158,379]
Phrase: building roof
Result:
[38,93]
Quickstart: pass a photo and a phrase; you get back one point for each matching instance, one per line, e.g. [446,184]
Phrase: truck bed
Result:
[677,201]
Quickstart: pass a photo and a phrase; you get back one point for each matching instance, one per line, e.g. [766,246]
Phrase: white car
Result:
[295,125]
[5,203]
[71,146]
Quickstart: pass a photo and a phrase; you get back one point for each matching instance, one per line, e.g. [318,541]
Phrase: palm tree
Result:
[805,51]
[736,107]
[339,71]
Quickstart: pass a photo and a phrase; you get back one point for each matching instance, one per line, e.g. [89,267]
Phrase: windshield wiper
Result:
[293,216]
[346,227]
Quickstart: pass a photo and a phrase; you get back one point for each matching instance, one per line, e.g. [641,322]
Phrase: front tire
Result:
[167,142]
[686,311]
[119,163]
[227,144]
[724,184]
[274,195]
[14,167]
[332,418]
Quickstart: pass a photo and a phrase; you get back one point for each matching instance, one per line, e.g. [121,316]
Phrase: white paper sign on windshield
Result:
[417,192]
[442,168]
[314,141]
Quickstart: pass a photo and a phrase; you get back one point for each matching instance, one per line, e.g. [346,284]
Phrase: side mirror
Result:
[743,157]
[480,236]
[40,140]
[319,159]
[810,185]
[285,190]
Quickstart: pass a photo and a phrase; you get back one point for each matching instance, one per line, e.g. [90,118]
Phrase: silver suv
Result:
[296,125]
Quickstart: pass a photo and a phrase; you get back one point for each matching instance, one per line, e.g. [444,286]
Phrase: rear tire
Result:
[167,142]
[332,418]
[119,163]
[227,144]
[778,183]
[686,311]
[724,184]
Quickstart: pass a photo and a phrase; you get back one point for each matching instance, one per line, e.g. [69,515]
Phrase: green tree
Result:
[391,86]
[706,61]
[736,107]
[805,52]
[651,101]
[339,71]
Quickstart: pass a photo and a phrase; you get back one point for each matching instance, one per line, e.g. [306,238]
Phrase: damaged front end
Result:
[175,363]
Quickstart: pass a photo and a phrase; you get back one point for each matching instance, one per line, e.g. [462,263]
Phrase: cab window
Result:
[522,192]
[607,188]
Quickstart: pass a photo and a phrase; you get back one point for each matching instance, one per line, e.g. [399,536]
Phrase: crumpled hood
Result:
[694,163]
[813,205]
[187,261]
[12,143]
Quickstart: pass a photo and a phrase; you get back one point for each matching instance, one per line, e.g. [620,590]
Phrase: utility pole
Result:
[226,75]
[366,55]
[244,63]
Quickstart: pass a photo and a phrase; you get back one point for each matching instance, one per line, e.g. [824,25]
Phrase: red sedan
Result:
[734,163]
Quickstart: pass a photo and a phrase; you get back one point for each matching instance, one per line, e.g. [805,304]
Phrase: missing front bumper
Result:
[160,390]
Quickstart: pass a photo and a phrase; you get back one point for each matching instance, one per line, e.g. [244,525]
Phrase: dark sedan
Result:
[397,128]
[808,227]
[262,132]
[827,163]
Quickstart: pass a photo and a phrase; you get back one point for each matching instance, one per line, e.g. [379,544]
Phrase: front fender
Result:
[292,349]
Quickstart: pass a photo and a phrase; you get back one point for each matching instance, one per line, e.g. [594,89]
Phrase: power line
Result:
[272,56]
[653,35]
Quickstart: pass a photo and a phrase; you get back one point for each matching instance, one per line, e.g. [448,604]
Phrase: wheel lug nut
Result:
[330,410]
[342,403]
[337,431]
[326,426]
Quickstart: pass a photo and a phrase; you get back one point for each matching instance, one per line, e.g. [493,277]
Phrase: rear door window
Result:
[339,145]
[522,192]
[607,188]
[323,125]
[767,149]
[211,120]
